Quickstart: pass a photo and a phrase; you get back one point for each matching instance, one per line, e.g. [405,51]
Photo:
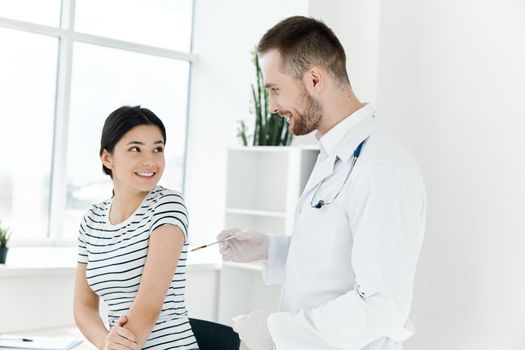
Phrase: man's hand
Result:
[252,330]
[245,246]
[120,338]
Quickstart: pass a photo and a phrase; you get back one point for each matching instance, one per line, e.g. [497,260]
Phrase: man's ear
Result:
[105,157]
[315,79]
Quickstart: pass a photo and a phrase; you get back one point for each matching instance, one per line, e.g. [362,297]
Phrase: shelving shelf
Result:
[254,212]
[255,266]
[263,186]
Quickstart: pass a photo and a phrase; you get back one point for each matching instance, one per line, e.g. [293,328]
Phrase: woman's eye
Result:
[134,149]
[158,149]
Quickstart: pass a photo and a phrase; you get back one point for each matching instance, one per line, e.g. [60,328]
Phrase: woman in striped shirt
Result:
[133,246]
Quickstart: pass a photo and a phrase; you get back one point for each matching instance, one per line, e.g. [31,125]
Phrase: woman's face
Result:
[137,162]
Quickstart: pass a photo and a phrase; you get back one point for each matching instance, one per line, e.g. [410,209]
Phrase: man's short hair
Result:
[302,42]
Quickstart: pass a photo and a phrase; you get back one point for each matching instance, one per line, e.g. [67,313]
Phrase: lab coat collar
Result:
[340,143]
[366,125]
[333,142]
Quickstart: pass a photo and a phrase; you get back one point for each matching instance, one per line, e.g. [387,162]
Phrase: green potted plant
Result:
[270,128]
[4,239]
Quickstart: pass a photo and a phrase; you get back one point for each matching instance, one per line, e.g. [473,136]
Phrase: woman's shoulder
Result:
[162,195]
[95,214]
[98,209]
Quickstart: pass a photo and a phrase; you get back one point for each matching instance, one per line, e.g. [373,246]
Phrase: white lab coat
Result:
[347,271]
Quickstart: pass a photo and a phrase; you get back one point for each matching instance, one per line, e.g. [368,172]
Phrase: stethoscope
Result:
[322,202]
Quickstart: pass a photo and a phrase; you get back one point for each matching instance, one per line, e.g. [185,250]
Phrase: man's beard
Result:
[310,117]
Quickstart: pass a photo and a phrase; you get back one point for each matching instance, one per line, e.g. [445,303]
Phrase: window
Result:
[104,79]
[162,23]
[46,12]
[61,83]
[29,82]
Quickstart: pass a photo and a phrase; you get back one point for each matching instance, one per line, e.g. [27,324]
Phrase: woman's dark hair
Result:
[122,120]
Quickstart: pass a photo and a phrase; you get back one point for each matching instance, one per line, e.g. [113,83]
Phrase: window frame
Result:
[67,36]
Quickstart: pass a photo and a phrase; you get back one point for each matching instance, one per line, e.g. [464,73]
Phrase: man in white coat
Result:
[347,271]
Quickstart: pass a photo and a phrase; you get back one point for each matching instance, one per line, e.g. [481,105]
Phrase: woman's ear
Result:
[105,157]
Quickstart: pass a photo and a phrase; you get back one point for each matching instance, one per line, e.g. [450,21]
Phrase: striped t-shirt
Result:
[115,257]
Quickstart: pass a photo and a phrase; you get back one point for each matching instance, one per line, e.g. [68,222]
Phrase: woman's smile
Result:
[145,174]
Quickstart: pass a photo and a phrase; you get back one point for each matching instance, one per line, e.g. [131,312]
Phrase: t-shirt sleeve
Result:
[82,245]
[171,210]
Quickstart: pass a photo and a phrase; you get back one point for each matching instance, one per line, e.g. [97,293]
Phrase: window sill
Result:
[56,261]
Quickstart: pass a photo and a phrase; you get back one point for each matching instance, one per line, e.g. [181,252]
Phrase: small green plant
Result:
[4,235]
[270,128]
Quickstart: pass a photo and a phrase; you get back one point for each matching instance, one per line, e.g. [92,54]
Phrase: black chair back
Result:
[214,336]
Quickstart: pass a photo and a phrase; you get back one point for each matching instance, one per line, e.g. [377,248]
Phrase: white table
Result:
[71,331]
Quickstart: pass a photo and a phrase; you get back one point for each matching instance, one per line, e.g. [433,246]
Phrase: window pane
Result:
[27,92]
[103,80]
[162,23]
[46,12]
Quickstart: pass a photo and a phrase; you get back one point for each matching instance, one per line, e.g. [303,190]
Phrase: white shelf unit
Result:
[263,186]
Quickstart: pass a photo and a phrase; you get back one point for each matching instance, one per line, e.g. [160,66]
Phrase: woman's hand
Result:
[120,338]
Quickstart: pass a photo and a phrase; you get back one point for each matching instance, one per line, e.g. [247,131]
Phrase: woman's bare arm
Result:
[165,246]
[87,318]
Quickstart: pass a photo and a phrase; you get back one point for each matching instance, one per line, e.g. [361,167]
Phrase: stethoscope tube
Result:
[320,203]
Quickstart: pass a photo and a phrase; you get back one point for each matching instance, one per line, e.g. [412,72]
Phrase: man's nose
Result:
[274,108]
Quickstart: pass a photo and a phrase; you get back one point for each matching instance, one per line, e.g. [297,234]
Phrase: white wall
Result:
[36,300]
[356,23]
[225,33]
[451,84]
[32,299]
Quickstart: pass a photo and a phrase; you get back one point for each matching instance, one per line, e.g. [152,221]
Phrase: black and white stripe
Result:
[115,257]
